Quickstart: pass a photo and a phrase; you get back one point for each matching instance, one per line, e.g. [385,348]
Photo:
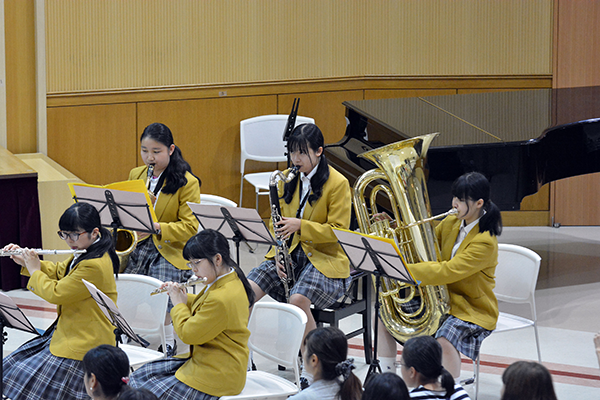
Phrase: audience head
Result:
[527,380]
[325,355]
[422,364]
[106,371]
[386,386]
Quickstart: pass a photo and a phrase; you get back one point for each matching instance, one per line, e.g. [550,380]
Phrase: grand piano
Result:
[520,140]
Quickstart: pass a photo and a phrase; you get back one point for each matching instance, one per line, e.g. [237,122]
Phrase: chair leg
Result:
[537,341]
[241,191]
[477,376]
[256,201]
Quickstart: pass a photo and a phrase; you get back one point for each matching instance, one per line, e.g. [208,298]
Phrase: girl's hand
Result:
[16,258]
[143,235]
[178,294]
[287,226]
[280,270]
[382,216]
[32,261]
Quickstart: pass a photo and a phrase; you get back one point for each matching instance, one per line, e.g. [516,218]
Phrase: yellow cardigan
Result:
[177,222]
[81,324]
[215,325]
[332,209]
[469,274]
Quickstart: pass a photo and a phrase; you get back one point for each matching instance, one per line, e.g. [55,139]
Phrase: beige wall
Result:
[112,44]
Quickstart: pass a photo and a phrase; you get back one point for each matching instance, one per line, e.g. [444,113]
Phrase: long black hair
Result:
[527,380]
[424,354]
[207,244]
[303,137]
[110,365]
[175,171]
[386,386]
[84,217]
[474,186]
[331,347]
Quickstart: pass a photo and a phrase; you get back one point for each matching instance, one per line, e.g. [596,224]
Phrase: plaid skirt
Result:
[146,260]
[321,290]
[32,372]
[159,378]
[465,336]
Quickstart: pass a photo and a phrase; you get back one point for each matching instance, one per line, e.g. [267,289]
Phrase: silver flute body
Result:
[40,252]
[449,212]
[190,282]
[282,253]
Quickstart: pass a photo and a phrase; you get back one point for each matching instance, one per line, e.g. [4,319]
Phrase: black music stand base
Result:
[375,367]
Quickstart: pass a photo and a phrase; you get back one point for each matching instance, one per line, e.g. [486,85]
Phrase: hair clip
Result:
[125,380]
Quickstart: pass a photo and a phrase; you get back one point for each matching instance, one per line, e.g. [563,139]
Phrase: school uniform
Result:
[214,324]
[322,269]
[469,276]
[156,255]
[49,367]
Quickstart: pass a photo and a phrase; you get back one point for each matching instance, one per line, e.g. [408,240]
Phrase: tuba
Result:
[406,311]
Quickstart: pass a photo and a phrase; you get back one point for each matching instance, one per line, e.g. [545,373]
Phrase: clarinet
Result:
[282,253]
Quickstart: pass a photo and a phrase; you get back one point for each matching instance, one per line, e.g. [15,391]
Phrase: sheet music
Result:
[386,252]
[13,316]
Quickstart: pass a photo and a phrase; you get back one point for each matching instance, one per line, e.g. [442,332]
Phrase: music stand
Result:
[11,316]
[119,209]
[110,309]
[234,223]
[380,257]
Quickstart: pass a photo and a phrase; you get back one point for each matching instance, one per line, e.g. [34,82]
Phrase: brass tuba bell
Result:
[406,311]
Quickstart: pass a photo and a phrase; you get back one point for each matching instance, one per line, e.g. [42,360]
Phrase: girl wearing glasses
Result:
[213,323]
[50,366]
[170,180]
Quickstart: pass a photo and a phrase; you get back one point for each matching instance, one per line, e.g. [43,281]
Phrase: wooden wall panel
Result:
[97,143]
[208,132]
[21,103]
[576,58]
[95,45]
[325,107]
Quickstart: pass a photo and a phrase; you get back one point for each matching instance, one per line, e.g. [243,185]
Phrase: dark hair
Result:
[331,347]
[424,354]
[175,171]
[303,137]
[138,394]
[386,386]
[474,186]
[84,217]
[527,380]
[110,365]
[207,244]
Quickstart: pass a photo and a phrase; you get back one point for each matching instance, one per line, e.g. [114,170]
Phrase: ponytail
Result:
[491,221]
[447,382]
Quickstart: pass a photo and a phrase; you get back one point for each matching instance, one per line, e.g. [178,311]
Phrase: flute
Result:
[40,252]
[194,280]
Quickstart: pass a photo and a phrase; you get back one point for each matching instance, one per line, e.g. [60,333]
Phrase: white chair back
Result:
[276,331]
[516,273]
[211,199]
[144,313]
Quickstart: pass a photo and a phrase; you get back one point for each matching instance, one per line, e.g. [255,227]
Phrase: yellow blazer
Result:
[333,209]
[177,222]
[469,274]
[81,324]
[215,325]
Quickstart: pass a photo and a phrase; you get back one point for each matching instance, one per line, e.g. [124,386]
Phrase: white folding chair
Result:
[276,331]
[516,277]
[144,313]
[261,139]
[212,199]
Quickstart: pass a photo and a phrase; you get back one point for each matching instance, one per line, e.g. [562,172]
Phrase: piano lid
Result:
[519,139]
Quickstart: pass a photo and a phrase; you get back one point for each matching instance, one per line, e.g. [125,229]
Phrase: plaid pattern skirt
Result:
[321,290]
[159,378]
[465,336]
[32,372]
[146,260]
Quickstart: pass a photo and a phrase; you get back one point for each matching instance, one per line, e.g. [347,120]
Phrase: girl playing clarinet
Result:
[50,366]
[311,204]
[172,184]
